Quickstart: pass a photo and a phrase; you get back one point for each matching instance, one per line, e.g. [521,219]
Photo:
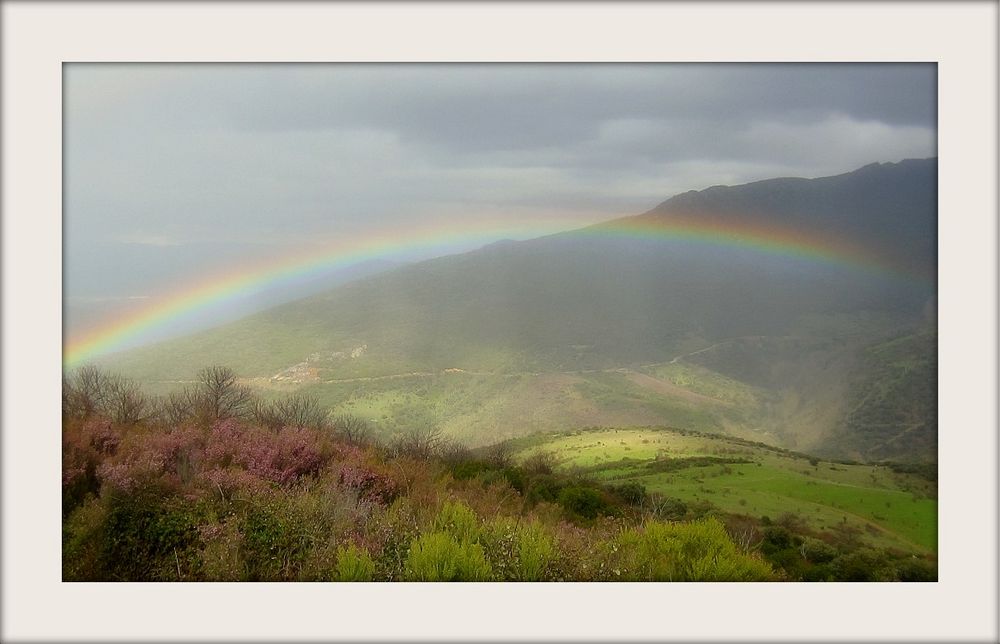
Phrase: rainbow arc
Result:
[247,279]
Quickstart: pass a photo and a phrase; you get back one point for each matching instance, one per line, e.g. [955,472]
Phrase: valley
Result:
[618,324]
[766,389]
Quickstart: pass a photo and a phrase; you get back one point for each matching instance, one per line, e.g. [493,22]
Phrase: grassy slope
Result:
[890,509]
[894,398]
[791,390]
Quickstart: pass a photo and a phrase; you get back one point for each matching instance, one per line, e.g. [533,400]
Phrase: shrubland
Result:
[213,484]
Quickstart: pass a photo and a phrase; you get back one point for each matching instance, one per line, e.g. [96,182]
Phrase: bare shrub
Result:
[540,463]
[126,403]
[220,395]
[454,453]
[353,429]
[86,392]
[423,442]
[500,454]
[177,407]
[293,411]
[90,391]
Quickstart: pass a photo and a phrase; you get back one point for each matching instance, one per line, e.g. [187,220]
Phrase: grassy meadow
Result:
[885,507]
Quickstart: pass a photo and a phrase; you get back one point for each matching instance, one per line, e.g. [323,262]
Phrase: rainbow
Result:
[247,279]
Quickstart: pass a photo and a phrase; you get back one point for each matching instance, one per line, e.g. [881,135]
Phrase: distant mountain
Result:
[585,328]
[889,206]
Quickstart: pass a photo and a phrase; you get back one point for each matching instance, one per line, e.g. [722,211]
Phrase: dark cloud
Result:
[503,107]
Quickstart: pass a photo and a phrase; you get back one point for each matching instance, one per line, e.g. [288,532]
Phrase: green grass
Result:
[888,509]
[478,408]
[706,382]
[773,490]
[614,392]
[590,448]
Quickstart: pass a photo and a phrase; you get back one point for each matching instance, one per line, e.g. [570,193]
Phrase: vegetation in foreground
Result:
[213,484]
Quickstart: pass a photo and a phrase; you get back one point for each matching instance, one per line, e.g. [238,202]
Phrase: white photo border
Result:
[38,37]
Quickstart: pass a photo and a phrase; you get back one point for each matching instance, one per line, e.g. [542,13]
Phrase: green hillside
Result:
[792,391]
[881,506]
[894,398]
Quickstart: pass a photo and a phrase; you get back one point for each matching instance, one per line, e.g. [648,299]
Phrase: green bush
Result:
[535,551]
[458,520]
[221,554]
[543,487]
[818,572]
[389,533]
[143,538]
[862,565]
[632,493]
[518,551]
[83,530]
[354,564]
[275,543]
[584,501]
[438,556]
[516,478]
[777,538]
[498,539]
[669,508]
[467,469]
[699,551]
[817,551]
[916,570]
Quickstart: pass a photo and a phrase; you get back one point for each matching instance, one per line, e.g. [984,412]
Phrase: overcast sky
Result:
[174,171]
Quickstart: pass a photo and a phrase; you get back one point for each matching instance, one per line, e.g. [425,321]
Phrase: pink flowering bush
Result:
[358,470]
[84,445]
[370,484]
[282,457]
[230,481]
[166,457]
[102,435]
